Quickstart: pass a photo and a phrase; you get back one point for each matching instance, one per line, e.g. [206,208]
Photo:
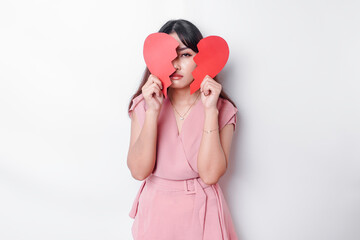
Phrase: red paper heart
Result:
[159,52]
[210,60]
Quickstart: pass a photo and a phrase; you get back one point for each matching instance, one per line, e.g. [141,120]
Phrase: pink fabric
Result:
[164,207]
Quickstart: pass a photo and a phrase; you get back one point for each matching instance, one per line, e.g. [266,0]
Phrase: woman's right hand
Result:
[152,92]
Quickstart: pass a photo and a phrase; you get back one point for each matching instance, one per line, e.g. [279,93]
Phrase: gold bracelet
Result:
[209,131]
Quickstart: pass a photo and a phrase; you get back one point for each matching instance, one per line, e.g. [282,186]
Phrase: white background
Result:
[69,68]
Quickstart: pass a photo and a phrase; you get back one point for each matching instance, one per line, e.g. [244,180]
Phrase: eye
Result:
[185,55]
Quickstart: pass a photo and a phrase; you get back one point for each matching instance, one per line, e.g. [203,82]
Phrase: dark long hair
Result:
[190,35]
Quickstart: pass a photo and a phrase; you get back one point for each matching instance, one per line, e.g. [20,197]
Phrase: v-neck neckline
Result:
[174,116]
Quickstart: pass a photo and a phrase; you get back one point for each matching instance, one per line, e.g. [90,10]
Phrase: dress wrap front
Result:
[173,202]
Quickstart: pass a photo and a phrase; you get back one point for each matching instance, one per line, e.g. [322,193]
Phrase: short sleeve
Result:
[138,106]
[227,113]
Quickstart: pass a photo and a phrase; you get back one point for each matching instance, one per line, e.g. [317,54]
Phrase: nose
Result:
[176,63]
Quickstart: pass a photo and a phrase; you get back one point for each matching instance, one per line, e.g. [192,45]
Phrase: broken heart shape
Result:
[210,60]
[159,52]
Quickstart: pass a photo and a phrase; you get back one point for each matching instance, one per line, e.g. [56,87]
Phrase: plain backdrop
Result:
[69,68]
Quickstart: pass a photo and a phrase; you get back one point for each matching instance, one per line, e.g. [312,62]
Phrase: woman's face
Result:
[184,65]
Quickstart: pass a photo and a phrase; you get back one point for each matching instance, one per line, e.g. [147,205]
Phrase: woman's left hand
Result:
[210,91]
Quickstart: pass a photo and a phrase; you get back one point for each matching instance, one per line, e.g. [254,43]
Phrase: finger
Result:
[149,81]
[206,88]
[153,79]
[203,83]
[210,79]
[158,81]
[215,86]
[159,92]
[155,89]
[150,90]
[155,85]
[211,88]
[146,85]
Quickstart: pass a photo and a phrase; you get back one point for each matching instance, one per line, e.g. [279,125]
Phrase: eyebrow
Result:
[180,49]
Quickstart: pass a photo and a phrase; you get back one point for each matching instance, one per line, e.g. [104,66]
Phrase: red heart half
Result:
[210,60]
[159,52]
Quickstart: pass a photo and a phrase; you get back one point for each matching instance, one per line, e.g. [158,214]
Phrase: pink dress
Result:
[173,203]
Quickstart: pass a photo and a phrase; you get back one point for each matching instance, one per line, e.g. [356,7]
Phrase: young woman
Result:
[179,148]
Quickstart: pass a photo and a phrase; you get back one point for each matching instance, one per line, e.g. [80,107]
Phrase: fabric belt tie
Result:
[196,186]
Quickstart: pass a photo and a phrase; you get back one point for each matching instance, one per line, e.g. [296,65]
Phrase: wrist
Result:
[152,113]
[211,111]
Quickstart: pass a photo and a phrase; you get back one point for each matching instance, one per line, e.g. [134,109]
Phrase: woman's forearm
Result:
[142,155]
[211,157]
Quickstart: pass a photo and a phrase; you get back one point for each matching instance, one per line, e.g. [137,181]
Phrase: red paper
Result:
[210,60]
[159,52]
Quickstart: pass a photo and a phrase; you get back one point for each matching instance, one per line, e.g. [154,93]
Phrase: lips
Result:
[175,76]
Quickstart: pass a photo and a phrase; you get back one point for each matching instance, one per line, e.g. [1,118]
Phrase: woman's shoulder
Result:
[227,112]
[137,102]
[224,104]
